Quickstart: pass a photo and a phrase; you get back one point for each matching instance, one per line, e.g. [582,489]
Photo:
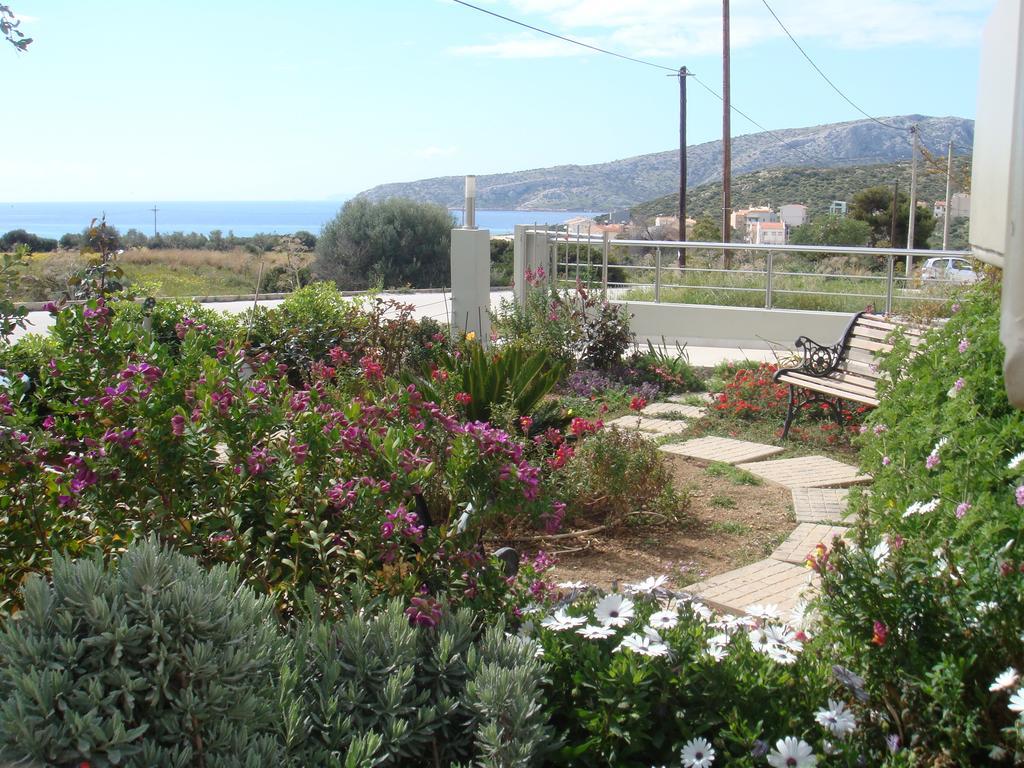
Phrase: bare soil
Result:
[727,525]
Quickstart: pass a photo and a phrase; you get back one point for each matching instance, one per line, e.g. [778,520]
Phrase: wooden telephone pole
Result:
[726,141]
[682,163]
[154,209]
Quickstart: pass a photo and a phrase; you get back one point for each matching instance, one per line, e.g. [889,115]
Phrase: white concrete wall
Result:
[471,282]
[732,326]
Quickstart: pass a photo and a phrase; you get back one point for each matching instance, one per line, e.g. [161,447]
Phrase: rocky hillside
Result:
[628,182]
[814,187]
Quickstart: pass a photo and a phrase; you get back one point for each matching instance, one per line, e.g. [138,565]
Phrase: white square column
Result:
[471,283]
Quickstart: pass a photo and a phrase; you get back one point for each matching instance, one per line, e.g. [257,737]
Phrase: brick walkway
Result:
[722,449]
[819,505]
[687,411]
[652,426]
[782,579]
[807,471]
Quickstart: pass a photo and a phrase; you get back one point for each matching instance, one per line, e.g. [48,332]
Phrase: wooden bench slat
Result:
[862,356]
[833,382]
[870,332]
[845,373]
[817,387]
[871,346]
[906,326]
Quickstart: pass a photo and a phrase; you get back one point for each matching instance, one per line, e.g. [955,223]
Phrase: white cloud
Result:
[435,151]
[536,47]
[674,29]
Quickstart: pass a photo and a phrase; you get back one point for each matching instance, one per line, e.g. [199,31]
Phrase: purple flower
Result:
[221,538]
[955,308]
[387,530]
[177,425]
[886,461]
[300,452]
[424,612]
[85,477]
[1019,494]
[963,345]
[49,422]
[959,384]
[932,461]
[66,502]
[50,307]
[962,509]
[880,428]
[259,461]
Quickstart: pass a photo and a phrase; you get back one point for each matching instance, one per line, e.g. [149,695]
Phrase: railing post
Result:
[768,280]
[657,275]
[891,269]
[604,264]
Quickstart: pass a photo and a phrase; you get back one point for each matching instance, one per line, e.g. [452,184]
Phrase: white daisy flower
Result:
[1006,679]
[880,552]
[664,619]
[1017,701]
[780,654]
[1016,461]
[717,652]
[698,753]
[758,611]
[614,610]
[648,586]
[595,631]
[647,644]
[792,752]
[758,639]
[573,585]
[561,621]
[997,753]
[921,507]
[785,637]
[837,718]
[703,612]
[940,445]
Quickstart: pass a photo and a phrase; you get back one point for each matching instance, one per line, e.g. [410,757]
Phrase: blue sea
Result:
[242,218]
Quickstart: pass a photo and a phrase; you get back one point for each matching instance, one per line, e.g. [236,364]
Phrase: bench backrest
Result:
[868,336]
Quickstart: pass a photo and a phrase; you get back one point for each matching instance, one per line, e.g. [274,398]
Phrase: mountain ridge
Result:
[633,180]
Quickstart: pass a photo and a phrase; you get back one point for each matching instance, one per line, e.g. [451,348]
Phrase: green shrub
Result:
[413,686]
[153,662]
[672,373]
[616,472]
[927,605]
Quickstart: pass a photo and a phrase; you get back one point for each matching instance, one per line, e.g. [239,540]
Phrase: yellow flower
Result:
[471,335]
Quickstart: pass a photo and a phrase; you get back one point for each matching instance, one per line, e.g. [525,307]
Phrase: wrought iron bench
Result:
[845,370]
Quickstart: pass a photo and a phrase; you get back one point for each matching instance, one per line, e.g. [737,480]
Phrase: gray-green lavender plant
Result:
[151,662]
[425,696]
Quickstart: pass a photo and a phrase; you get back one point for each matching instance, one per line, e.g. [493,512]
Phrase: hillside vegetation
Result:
[630,181]
[814,187]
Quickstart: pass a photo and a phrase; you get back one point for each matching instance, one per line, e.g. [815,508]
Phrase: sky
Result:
[137,100]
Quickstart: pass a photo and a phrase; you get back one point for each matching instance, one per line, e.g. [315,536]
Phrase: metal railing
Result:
[572,257]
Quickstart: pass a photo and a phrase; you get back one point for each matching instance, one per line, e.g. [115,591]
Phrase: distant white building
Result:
[793,214]
[838,208]
[768,233]
[959,205]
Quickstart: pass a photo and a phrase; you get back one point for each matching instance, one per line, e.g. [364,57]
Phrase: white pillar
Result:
[471,283]
[531,252]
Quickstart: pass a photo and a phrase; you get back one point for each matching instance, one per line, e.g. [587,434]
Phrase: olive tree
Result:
[393,243]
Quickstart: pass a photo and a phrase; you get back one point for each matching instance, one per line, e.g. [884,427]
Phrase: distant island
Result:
[629,182]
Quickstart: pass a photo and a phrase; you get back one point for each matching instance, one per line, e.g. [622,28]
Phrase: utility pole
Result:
[911,217]
[892,212]
[682,163]
[154,209]
[949,196]
[726,140]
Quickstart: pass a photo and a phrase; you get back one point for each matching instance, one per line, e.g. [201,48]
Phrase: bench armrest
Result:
[821,359]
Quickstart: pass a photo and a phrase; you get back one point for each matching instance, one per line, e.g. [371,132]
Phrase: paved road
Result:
[437,306]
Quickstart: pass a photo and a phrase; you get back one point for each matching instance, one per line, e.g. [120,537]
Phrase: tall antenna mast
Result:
[154,209]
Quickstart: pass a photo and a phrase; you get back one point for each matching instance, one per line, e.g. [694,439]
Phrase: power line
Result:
[817,69]
[778,139]
[566,39]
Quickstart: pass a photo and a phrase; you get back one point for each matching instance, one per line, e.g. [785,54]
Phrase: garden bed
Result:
[729,524]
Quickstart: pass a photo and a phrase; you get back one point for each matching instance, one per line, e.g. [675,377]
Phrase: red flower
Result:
[463,398]
[880,633]
[637,404]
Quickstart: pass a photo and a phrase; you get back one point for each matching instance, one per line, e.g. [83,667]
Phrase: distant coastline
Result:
[243,218]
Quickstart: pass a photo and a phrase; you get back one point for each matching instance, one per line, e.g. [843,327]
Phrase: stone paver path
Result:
[767,581]
[819,505]
[652,426]
[707,397]
[813,471]
[803,541]
[722,449]
[689,411]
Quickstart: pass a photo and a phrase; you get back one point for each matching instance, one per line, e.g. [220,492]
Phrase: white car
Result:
[948,269]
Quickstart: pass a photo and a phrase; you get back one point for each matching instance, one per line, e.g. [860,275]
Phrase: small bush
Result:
[616,472]
[153,662]
[426,691]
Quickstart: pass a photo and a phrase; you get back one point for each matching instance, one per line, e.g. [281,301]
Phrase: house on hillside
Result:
[768,233]
[959,206]
[837,208]
[793,214]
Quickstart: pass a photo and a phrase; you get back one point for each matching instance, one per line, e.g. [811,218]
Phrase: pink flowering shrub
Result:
[212,445]
[926,606]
